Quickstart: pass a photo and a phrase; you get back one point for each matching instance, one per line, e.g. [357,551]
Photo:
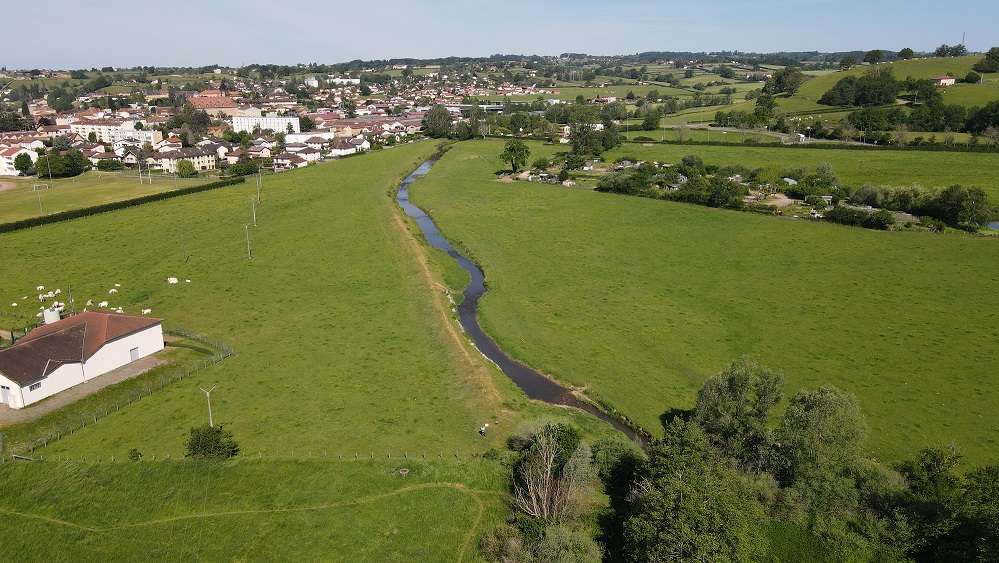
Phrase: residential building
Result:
[7,157]
[201,159]
[273,122]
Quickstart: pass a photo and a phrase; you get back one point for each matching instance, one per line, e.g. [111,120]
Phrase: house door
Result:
[133,354]
[4,394]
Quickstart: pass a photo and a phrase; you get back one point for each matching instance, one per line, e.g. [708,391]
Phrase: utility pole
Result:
[249,256]
[208,395]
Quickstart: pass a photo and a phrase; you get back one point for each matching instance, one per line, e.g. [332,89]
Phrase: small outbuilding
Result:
[67,352]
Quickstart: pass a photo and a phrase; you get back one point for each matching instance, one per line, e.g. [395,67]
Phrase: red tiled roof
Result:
[210,102]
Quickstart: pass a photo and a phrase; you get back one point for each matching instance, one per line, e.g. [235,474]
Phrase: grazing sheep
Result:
[187,281]
[112,291]
[58,291]
[146,311]
[13,304]
[90,302]
[40,288]
[171,280]
[117,285]
[103,304]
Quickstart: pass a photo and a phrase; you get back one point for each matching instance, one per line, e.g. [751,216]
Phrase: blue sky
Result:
[84,33]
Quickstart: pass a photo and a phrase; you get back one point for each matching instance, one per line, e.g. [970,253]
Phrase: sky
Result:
[69,34]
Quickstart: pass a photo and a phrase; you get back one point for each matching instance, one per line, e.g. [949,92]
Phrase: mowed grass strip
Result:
[640,300]
[338,347]
[19,200]
[271,510]
[928,169]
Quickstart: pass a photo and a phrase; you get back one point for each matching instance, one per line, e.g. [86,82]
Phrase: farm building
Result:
[945,81]
[67,352]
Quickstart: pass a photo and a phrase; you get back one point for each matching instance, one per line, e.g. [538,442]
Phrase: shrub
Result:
[109,165]
[211,442]
[185,169]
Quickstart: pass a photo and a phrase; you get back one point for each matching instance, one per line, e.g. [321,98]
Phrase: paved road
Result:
[10,416]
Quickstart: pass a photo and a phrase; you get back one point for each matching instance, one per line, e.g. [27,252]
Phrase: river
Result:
[533,383]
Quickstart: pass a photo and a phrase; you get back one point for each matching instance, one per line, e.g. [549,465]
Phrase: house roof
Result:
[71,340]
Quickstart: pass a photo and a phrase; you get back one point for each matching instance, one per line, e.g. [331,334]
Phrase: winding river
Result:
[534,384]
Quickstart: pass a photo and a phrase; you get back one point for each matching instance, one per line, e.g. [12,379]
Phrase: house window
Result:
[34,386]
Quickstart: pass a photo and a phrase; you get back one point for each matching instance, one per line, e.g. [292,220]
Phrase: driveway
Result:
[9,416]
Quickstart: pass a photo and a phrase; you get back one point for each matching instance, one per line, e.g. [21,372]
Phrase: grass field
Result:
[704,135]
[337,343]
[854,167]
[706,114]
[965,94]
[640,300]
[342,349]
[90,188]
[250,510]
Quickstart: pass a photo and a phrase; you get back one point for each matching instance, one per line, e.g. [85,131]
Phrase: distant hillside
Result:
[807,97]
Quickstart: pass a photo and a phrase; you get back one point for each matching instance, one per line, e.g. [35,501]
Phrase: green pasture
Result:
[338,346]
[249,510]
[705,135]
[638,301]
[853,166]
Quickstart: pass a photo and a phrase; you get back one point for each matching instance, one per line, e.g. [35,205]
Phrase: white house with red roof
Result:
[70,351]
[7,156]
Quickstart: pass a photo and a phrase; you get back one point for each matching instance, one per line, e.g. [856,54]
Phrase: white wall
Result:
[61,379]
[115,354]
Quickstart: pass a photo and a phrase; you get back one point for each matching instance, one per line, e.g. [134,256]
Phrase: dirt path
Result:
[4,186]
[460,487]
[9,416]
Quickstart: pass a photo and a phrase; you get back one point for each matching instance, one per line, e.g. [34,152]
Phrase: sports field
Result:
[854,167]
[22,198]
[640,300]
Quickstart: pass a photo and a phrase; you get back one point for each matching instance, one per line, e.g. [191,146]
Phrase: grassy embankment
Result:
[640,300]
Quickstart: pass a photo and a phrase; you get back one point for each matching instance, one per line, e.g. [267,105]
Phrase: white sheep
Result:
[117,285]
[13,304]
[171,280]
[40,288]
[103,304]
[146,311]
[112,291]
[90,302]
[58,291]
[187,281]
[119,310]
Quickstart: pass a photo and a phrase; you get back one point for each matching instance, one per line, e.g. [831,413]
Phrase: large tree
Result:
[733,407]
[516,153]
[437,122]
[23,163]
[906,54]
[687,505]
[874,57]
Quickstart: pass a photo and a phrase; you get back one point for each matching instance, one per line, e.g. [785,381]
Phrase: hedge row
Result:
[114,206]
